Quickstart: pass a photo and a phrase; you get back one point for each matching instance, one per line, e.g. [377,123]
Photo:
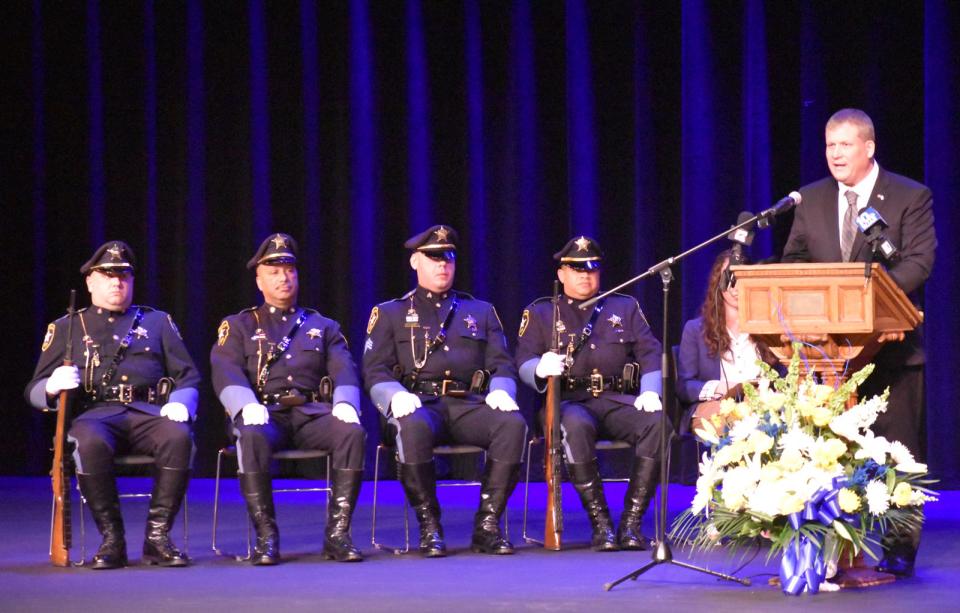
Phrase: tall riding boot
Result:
[169,486]
[337,544]
[420,484]
[900,552]
[258,492]
[640,491]
[100,492]
[586,480]
[498,482]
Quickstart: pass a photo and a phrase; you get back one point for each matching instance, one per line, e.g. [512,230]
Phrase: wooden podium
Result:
[843,317]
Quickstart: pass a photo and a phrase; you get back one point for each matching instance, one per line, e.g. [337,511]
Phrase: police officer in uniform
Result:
[436,365]
[285,376]
[609,363]
[135,392]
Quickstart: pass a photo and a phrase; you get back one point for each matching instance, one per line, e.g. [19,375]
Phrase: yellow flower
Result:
[826,452]
[791,460]
[791,503]
[849,500]
[902,494]
[822,416]
[727,406]
[821,393]
[760,442]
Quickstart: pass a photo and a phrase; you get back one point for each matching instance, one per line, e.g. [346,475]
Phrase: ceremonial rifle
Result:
[552,443]
[60,531]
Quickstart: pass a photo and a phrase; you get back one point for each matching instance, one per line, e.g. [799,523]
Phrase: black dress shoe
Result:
[897,565]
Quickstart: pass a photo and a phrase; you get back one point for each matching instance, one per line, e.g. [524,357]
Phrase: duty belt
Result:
[597,384]
[441,387]
[128,393]
[294,397]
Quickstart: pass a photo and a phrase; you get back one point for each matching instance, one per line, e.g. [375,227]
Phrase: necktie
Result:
[849,231]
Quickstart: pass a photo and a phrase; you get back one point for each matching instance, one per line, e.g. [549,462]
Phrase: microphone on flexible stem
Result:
[871,224]
[741,237]
[785,204]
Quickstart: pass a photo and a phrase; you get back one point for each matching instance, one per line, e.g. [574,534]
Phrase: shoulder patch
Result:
[374,317]
[524,321]
[173,326]
[48,337]
[223,332]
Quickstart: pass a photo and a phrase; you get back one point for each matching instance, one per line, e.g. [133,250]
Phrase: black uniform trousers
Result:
[905,417]
[465,421]
[291,427]
[582,422]
[98,439]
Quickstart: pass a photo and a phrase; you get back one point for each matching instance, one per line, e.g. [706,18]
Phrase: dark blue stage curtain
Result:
[193,129]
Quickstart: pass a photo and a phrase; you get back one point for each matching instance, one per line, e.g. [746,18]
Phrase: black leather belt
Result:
[441,387]
[126,394]
[293,397]
[597,384]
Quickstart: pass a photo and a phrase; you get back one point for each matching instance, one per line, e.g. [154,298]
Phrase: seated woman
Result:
[715,357]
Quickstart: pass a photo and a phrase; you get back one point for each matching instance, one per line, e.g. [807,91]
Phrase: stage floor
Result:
[533,579]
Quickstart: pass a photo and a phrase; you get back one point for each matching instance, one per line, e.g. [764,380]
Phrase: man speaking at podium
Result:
[825,229]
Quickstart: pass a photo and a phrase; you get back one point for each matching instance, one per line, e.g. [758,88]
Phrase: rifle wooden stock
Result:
[60,530]
[60,527]
[552,466]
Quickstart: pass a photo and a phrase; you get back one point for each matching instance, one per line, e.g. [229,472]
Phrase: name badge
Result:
[412,320]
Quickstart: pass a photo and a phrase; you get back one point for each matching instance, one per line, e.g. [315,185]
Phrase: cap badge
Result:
[441,233]
[115,251]
[582,243]
[279,242]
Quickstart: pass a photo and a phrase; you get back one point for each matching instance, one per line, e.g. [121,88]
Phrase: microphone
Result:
[785,204]
[741,237]
[871,224]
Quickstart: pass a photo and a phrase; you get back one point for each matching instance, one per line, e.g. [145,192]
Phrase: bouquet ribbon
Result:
[802,567]
[823,506]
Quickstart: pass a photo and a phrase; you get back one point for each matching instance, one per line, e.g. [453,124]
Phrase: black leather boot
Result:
[586,480]
[100,492]
[258,492]
[169,486]
[337,544]
[498,482]
[420,484]
[899,552]
[640,491]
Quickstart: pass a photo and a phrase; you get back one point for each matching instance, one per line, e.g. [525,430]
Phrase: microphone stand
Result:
[662,553]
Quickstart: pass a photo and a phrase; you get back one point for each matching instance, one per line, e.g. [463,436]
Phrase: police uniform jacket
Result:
[318,349]
[620,335]
[474,341]
[155,351]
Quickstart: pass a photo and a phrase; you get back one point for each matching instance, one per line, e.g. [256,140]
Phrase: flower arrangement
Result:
[791,463]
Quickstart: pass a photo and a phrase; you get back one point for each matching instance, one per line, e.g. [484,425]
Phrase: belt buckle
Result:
[455,393]
[596,384]
[125,393]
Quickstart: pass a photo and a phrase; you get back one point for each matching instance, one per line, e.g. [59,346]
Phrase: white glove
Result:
[649,402]
[346,413]
[550,365]
[501,400]
[63,378]
[403,404]
[255,414]
[175,411]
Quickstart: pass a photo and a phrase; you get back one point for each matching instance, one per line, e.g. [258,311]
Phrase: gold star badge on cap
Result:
[115,251]
[582,243]
[441,233]
[279,241]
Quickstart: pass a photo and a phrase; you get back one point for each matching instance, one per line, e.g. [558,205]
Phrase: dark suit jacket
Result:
[907,206]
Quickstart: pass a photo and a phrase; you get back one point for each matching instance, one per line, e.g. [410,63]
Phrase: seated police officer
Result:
[436,365]
[137,394]
[609,363]
[273,367]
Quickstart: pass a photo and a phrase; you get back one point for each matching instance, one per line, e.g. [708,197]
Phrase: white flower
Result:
[917,497]
[743,428]
[873,447]
[878,501]
[738,485]
[847,425]
[795,439]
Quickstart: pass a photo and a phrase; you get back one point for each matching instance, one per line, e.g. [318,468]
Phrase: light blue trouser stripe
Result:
[566,446]
[396,423]
[76,453]
[239,453]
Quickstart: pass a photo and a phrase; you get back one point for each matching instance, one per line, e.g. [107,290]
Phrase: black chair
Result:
[123,461]
[388,434]
[296,455]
